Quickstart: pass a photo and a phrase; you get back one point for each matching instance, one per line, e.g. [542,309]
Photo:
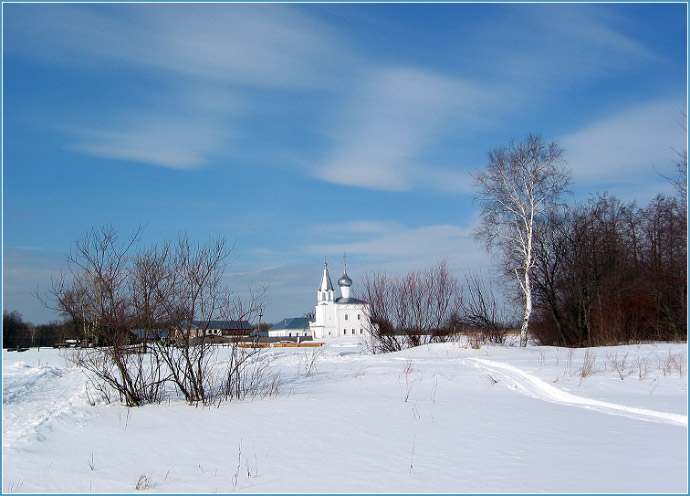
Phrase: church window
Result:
[360,331]
[345,316]
[359,316]
[353,331]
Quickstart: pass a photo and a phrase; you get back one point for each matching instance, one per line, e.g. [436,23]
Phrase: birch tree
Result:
[521,182]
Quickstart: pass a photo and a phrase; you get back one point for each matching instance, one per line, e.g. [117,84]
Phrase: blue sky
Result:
[303,131]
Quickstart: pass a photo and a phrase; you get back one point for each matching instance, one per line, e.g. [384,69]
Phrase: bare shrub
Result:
[672,362]
[619,364]
[13,487]
[176,287]
[642,368]
[411,310]
[135,378]
[407,371]
[569,364]
[309,360]
[144,483]
[480,311]
[475,340]
[247,376]
[588,364]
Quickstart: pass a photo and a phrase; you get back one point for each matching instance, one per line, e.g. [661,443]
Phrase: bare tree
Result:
[175,287]
[522,182]
[481,310]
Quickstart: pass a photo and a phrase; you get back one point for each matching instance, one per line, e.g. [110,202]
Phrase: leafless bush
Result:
[135,378]
[247,376]
[480,310]
[569,363]
[144,483]
[13,487]
[475,341]
[309,360]
[672,362]
[411,310]
[407,371]
[619,364]
[588,364]
[642,368]
[236,477]
[114,291]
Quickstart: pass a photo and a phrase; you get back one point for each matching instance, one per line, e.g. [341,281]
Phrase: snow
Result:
[442,418]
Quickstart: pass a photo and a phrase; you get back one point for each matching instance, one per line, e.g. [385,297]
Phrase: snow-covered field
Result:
[436,419]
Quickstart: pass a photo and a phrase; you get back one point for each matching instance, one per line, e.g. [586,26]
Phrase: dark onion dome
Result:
[345,281]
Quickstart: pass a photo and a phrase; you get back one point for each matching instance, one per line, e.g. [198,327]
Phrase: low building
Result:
[222,328]
[290,328]
[141,335]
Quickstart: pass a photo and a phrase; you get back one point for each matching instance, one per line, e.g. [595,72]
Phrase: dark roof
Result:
[348,300]
[219,324]
[151,333]
[294,323]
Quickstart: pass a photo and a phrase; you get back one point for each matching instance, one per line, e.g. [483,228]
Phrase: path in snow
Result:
[34,397]
[535,387]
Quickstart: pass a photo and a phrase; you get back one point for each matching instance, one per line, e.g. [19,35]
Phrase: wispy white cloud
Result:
[156,141]
[206,57]
[389,121]
[548,45]
[258,45]
[398,247]
[626,147]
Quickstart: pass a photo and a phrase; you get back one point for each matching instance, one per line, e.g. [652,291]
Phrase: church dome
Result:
[345,281]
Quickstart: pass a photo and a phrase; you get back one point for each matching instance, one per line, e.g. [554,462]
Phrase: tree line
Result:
[599,272]
[17,333]
[595,273]
[607,272]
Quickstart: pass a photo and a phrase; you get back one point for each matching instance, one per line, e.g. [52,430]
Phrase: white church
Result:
[333,317]
[344,316]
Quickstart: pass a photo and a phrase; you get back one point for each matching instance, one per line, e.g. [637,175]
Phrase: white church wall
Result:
[333,318]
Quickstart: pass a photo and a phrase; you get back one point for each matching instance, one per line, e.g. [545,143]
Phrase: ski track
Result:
[535,387]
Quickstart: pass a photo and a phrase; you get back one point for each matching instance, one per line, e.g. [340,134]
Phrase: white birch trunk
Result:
[527,288]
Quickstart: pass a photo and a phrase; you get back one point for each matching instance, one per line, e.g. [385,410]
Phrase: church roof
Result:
[344,301]
[326,284]
[345,280]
